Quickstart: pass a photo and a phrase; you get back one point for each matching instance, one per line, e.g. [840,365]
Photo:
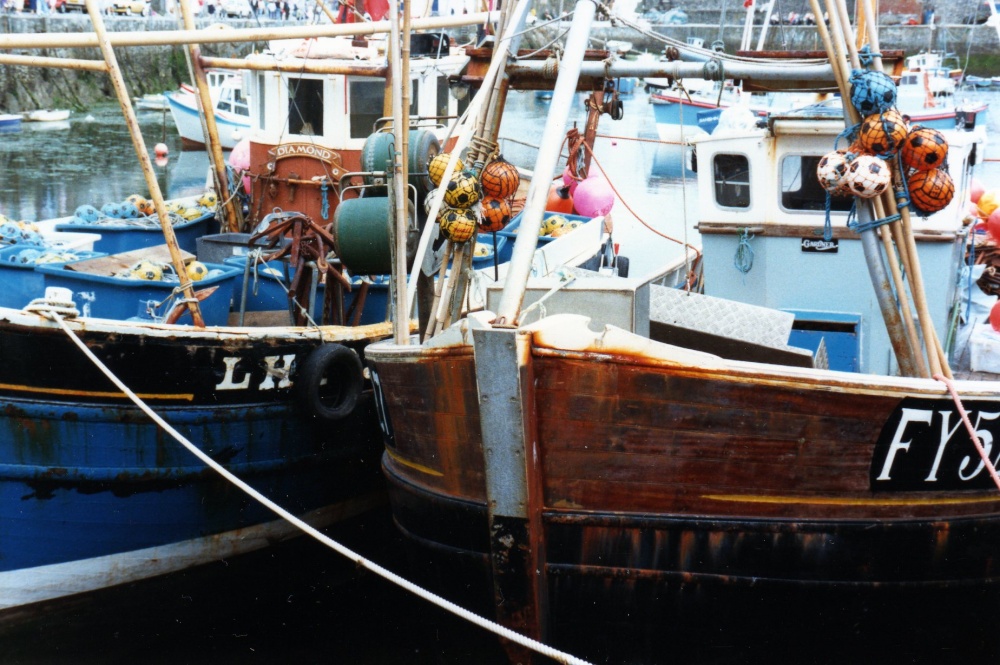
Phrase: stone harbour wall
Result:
[158,68]
[146,69]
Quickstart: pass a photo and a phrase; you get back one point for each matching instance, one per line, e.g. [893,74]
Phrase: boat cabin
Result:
[762,219]
[311,120]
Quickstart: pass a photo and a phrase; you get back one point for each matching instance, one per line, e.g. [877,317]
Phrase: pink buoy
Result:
[239,159]
[993,225]
[594,197]
[161,150]
[995,316]
[976,190]
[160,161]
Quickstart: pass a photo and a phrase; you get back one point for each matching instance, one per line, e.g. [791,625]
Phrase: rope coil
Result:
[743,260]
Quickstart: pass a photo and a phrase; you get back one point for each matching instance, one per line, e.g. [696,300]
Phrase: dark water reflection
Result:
[48,169]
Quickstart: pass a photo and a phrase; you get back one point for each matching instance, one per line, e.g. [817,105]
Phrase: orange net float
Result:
[500,179]
[559,200]
[930,191]
[924,149]
[495,214]
[883,133]
[458,225]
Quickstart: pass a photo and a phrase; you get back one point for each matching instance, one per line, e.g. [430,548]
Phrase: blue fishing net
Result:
[872,92]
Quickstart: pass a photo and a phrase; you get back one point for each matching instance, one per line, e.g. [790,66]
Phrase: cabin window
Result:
[305,107]
[732,180]
[367,103]
[240,104]
[800,189]
[443,97]
[415,97]
[258,88]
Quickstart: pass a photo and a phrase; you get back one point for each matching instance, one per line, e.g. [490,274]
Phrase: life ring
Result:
[337,396]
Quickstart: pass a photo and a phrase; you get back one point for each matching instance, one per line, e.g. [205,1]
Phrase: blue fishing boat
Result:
[94,494]
[10,122]
[95,491]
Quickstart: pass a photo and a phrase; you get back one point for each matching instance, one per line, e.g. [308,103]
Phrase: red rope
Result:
[697,252]
[641,140]
[968,425]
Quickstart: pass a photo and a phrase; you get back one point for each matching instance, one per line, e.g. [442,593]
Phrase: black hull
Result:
[629,606]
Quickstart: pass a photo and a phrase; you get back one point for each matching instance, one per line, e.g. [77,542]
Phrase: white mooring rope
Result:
[482,622]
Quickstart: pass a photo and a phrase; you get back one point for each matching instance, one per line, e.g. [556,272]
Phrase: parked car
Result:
[63,6]
[130,7]
[982,13]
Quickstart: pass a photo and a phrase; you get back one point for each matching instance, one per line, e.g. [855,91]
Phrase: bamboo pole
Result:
[519,269]
[438,288]
[935,353]
[147,167]
[227,35]
[231,212]
[506,44]
[444,307]
[326,10]
[909,254]
[399,44]
[60,63]
[900,340]
[295,66]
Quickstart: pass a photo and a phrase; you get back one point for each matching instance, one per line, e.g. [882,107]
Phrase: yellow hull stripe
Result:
[188,397]
[413,465]
[832,501]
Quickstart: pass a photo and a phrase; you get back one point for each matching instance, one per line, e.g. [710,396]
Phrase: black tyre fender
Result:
[329,381]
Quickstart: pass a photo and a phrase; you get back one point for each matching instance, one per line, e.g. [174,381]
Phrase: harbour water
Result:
[303,603]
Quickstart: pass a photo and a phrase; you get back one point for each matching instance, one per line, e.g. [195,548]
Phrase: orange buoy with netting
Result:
[925,148]
[883,133]
[500,178]
[930,191]
[496,214]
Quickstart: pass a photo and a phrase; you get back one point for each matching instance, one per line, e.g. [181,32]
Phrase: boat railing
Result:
[384,124]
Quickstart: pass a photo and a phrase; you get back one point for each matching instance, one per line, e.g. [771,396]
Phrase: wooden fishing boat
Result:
[646,471]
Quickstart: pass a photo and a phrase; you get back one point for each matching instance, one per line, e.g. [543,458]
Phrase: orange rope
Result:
[969,427]
[697,252]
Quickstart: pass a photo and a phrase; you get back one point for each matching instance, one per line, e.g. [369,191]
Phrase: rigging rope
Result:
[53,314]
[969,428]
[634,213]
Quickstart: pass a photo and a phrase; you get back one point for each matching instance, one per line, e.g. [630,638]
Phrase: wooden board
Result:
[115,263]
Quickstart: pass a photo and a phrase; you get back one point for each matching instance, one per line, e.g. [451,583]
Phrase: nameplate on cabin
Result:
[820,246]
[311,150]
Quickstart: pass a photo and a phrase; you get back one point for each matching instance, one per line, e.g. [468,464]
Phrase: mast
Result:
[210,130]
[545,168]
[147,167]
[400,58]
